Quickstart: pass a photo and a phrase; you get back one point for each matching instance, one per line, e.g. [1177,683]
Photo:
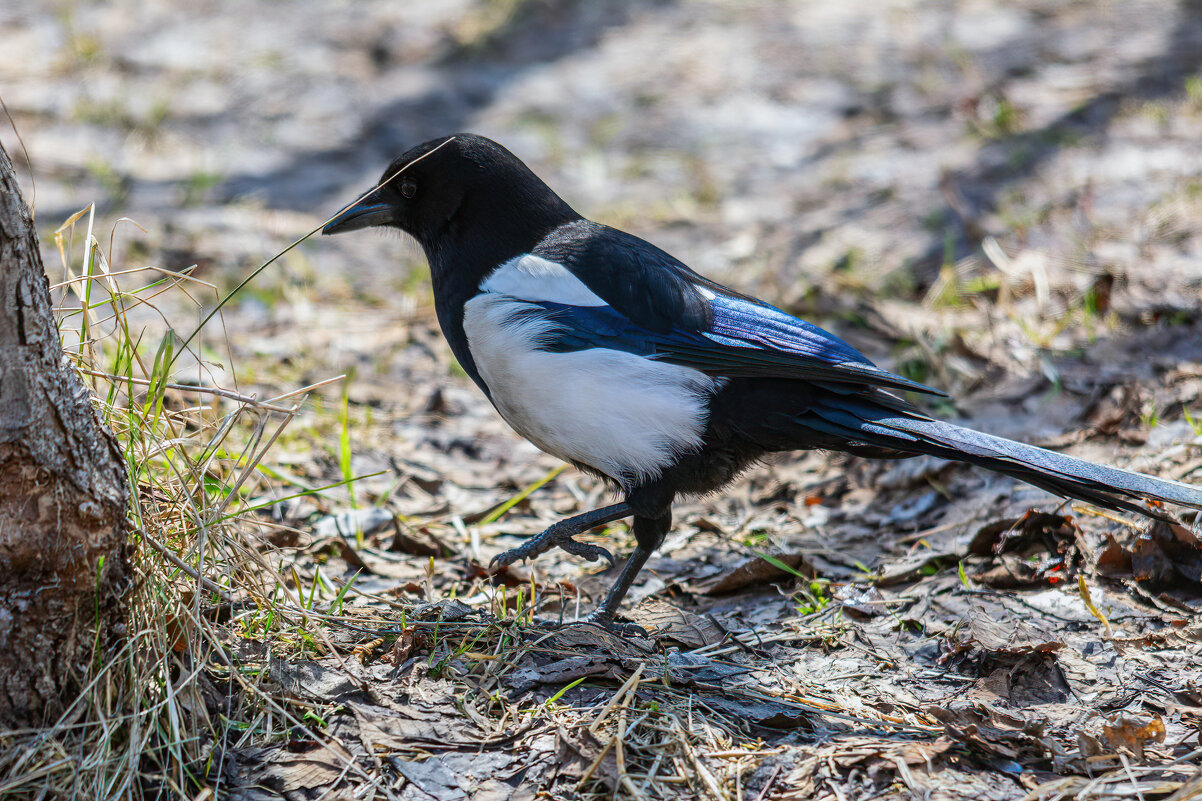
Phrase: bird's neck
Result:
[486,231]
[461,257]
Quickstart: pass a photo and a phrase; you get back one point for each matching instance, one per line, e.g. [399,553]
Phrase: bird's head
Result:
[464,189]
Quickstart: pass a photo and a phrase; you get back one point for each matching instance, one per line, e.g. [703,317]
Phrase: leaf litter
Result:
[1019,657]
[980,671]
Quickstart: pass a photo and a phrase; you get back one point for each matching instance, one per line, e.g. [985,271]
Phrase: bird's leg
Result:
[560,535]
[649,531]
[604,614]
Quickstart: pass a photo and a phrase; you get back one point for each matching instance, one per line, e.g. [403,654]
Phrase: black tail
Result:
[865,422]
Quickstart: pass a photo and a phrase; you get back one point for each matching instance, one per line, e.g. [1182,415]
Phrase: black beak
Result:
[364,214]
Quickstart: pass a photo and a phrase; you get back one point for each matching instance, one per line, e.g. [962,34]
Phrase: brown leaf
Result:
[287,771]
[578,750]
[752,570]
[1012,638]
[917,753]
[1130,735]
[1149,562]
[419,542]
[409,641]
[911,753]
[767,713]
[1033,533]
[1088,745]
[1169,555]
[991,729]
[563,671]
[401,727]
[1114,560]
[664,621]
[595,640]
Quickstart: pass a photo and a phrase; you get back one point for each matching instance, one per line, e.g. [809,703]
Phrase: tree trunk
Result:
[63,495]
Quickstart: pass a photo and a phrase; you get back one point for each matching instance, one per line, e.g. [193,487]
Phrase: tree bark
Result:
[63,495]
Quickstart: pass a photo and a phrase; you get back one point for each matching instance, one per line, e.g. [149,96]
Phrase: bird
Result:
[607,352]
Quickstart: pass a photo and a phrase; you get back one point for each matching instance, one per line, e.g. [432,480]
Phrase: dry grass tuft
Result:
[155,716]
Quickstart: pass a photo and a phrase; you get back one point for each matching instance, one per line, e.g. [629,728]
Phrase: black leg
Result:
[560,536]
[649,531]
[605,613]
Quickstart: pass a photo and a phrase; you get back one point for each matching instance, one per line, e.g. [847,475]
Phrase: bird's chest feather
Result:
[624,415]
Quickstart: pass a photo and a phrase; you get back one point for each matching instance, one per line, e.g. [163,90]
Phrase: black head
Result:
[458,194]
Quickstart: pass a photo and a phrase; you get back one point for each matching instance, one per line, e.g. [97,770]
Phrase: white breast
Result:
[624,415]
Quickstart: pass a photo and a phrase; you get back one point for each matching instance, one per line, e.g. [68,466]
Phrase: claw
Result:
[607,622]
[553,537]
[560,535]
[586,550]
[602,621]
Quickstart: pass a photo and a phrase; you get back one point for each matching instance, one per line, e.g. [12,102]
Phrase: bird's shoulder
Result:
[647,285]
[657,291]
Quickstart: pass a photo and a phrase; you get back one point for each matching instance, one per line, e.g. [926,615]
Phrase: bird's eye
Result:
[408,187]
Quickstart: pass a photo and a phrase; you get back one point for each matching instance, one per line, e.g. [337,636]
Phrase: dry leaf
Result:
[1123,733]
[666,622]
[752,570]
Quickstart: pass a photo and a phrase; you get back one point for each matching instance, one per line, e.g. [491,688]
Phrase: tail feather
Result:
[1055,472]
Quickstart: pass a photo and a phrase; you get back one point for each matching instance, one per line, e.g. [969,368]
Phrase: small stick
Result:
[618,696]
[623,777]
[698,765]
[207,584]
[224,393]
[303,390]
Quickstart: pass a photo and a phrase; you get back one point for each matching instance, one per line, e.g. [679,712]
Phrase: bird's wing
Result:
[657,307]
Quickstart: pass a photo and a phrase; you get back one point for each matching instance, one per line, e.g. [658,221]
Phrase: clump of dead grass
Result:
[153,718]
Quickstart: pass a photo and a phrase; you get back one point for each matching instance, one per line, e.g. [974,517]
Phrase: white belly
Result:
[624,415]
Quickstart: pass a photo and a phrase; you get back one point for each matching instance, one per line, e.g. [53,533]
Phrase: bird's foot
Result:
[601,620]
[556,536]
[606,621]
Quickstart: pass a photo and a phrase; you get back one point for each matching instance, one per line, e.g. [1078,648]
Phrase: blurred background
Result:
[999,198]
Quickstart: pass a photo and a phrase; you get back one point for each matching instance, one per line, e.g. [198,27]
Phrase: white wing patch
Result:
[624,415]
[530,277]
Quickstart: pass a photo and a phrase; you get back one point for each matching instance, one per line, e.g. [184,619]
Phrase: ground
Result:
[998,198]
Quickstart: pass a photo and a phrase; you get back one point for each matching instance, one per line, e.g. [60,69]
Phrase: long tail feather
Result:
[1055,472]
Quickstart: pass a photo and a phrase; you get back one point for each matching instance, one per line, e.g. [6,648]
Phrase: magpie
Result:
[608,353]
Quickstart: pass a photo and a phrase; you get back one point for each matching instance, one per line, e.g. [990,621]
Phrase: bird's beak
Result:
[364,214]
